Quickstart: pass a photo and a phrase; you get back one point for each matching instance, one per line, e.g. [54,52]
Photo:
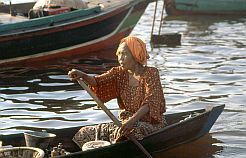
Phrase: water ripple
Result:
[208,68]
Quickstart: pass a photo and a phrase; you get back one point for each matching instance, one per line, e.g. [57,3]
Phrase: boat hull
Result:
[65,39]
[179,131]
[205,7]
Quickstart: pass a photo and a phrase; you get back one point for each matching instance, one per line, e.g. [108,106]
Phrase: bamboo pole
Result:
[153,23]
[162,12]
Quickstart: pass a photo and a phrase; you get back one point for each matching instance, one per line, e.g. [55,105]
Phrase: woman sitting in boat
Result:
[138,91]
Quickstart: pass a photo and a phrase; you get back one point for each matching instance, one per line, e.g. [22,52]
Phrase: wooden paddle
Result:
[112,117]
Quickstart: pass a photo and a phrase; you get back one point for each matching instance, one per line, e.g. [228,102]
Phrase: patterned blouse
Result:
[115,84]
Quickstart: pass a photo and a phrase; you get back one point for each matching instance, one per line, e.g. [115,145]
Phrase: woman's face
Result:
[125,57]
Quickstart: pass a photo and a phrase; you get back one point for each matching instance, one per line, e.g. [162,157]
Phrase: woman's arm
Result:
[75,74]
[128,126]
[154,97]
[140,113]
[104,85]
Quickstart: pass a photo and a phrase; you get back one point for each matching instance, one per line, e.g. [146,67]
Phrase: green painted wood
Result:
[47,20]
[132,20]
[211,5]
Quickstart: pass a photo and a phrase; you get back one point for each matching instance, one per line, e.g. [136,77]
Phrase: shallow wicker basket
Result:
[21,152]
[94,144]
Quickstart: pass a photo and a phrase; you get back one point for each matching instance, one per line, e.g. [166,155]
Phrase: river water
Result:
[208,68]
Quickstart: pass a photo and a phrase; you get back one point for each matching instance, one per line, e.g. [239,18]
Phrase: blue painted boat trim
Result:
[211,5]
[49,19]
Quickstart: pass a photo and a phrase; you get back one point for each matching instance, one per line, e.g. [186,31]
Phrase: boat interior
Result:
[13,13]
[65,135]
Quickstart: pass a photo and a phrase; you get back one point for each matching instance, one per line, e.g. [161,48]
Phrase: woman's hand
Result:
[127,127]
[75,74]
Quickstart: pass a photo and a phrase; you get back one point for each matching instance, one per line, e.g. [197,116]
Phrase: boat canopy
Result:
[76,4]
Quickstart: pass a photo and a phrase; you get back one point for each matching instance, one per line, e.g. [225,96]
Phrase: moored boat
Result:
[79,31]
[182,128]
[206,7]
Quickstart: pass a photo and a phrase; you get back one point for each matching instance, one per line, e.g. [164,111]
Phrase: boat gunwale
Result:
[104,14]
[182,114]
[48,19]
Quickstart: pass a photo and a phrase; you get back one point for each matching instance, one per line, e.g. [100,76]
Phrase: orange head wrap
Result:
[137,48]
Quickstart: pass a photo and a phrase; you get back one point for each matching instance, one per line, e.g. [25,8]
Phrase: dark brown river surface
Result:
[208,68]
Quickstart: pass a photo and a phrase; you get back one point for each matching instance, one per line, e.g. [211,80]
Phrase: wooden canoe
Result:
[200,7]
[182,128]
[65,35]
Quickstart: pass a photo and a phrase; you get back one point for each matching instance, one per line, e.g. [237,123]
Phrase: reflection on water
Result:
[201,148]
[208,68]
[35,98]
